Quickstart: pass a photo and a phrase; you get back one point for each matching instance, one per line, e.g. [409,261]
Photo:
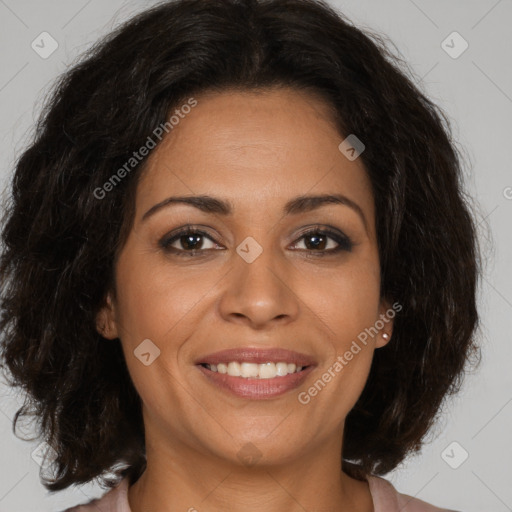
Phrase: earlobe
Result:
[385,324]
[383,339]
[105,320]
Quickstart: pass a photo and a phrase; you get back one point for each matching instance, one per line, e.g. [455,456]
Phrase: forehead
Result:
[256,149]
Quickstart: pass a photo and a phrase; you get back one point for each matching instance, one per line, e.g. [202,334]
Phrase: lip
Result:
[259,356]
[253,388]
[256,389]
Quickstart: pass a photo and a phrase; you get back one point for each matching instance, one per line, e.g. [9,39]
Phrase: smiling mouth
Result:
[246,370]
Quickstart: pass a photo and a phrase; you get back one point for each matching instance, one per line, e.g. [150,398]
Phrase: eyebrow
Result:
[300,204]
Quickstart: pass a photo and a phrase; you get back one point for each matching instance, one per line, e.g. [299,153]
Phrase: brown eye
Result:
[321,241]
[188,240]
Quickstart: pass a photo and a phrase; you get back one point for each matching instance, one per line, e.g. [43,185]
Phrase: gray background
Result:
[475,90]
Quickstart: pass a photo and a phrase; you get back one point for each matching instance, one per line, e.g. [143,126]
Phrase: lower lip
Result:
[257,389]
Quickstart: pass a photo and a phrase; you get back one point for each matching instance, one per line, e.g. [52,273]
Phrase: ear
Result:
[106,324]
[385,322]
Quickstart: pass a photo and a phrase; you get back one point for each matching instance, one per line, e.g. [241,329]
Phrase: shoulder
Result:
[387,499]
[114,500]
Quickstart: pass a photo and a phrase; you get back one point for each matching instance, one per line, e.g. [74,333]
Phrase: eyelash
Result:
[344,242]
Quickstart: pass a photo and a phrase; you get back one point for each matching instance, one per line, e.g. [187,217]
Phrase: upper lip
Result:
[257,355]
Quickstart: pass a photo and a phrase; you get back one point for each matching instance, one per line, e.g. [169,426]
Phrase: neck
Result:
[181,478]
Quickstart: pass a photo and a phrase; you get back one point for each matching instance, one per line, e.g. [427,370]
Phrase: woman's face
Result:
[252,279]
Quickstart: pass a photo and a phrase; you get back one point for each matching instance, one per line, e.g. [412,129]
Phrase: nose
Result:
[260,293]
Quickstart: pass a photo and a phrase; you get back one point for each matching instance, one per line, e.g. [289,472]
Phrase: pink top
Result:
[385,499]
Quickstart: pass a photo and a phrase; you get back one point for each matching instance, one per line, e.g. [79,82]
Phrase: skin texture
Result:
[257,150]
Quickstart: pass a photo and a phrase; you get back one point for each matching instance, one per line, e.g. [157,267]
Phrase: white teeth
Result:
[255,371]
[249,370]
[268,370]
[282,369]
[234,369]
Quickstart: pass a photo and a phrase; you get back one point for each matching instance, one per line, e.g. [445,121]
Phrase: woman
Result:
[240,251]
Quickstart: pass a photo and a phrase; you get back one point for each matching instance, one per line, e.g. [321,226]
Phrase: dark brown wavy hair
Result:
[60,242]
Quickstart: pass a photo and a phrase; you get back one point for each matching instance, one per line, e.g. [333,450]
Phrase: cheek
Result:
[346,300]
[156,300]
[155,314]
